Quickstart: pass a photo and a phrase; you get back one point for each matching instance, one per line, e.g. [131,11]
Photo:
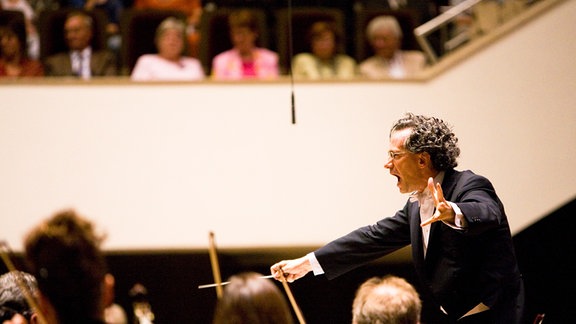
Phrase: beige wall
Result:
[159,166]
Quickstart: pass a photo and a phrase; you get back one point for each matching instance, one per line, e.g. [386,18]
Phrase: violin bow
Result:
[218,280]
[5,252]
[292,300]
[215,266]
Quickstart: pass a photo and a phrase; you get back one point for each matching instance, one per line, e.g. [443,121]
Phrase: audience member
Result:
[81,60]
[113,10]
[389,61]
[14,61]
[32,44]
[249,299]
[245,59]
[14,308]
[63,253]
[191,8]
[323,61]
[387,300]
[169,63]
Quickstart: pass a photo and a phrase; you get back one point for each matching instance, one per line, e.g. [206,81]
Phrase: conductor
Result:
[455,223]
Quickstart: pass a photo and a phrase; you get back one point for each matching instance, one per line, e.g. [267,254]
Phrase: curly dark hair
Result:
[431,135]
[64,255]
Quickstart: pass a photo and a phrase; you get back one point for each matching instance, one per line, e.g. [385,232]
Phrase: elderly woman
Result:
[169,64]
[245,60]
[323,61]
[389,61]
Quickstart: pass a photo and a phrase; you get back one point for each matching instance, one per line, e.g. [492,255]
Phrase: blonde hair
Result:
[387,300]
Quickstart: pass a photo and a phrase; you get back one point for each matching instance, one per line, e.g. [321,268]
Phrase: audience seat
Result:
[302,19]
[138,30]
[8,17]
[15,19]
[215,35]
[51,30]
[406,18]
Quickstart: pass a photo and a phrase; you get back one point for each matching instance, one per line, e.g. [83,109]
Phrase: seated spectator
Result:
[169,63]
[387,300]
[81,60]
[63,253]
[14,60]
[32,44]
[245,60]
[191,8]
[113,10]
[389,61]
[323,61]
[249,299]
[14,308]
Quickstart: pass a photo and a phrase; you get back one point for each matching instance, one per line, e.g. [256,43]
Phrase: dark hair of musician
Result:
[249,299]
[64,255]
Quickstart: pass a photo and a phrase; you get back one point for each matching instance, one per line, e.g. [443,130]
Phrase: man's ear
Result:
[424,160]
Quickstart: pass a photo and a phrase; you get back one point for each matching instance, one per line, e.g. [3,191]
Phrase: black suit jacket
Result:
[462,267]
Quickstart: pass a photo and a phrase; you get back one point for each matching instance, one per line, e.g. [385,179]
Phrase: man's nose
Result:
[388,164]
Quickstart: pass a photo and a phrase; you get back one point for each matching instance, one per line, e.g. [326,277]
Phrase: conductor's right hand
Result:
[291,269]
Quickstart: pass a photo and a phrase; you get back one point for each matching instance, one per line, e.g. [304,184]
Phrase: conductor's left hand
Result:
[444,211]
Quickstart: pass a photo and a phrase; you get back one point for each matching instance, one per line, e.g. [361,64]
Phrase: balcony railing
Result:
[472,24]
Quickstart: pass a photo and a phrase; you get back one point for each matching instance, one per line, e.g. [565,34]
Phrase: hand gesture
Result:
[444,211]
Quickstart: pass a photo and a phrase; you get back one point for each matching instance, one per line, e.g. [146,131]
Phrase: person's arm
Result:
[291,269]
[350,251]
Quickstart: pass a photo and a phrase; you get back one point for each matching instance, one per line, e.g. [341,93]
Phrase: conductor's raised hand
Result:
[444,211]
[291,269]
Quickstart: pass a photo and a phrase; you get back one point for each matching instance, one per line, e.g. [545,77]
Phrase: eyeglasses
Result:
[393,155]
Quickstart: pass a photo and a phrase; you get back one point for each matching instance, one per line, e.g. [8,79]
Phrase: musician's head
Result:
[64,255]
[14,308]
[389,299]
[249,299]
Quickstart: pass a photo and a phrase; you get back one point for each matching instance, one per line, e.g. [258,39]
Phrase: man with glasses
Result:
[455,223]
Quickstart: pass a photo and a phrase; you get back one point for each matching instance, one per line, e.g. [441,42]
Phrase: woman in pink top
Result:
[245,60]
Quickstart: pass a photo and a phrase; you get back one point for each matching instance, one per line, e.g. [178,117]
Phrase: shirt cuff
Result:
[316,267]
[460,222]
